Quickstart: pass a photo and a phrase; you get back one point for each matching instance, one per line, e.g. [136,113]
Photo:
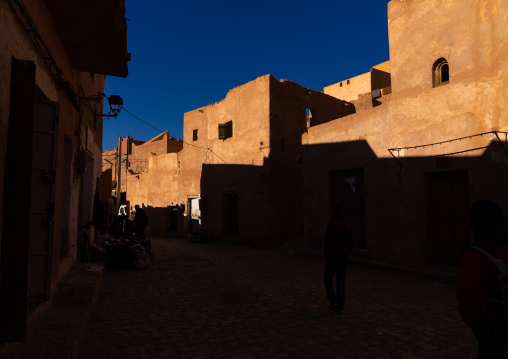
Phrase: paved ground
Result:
[229,301]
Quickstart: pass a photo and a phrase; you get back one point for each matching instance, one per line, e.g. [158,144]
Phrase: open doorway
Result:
[28,202]
[195,214]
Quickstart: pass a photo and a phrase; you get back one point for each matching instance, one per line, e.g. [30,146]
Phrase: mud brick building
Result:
[407,166]
[240,165]
[55,55]
[405,148]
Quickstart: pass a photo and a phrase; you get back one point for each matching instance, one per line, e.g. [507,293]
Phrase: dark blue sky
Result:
[187,54]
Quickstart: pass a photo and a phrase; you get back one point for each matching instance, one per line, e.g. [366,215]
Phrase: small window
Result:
[341,84]
[195,135]
[440,72]
[348,82]
[225,130]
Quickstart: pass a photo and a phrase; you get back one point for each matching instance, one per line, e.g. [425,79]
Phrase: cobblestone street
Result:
[230,301]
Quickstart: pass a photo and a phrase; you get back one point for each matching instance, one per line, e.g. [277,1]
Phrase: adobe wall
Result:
[261,162]
[174,145]
[247,106]
[164,178]
[71,137]
[156,189]
[360,89]
[128,143]
[395,195]
[473,40]
[349,92]
[472,103]
[153,147]
[380,76]
[288,118]
[137,189]
[172,178]
[471,35]
[257,218]
[144,151]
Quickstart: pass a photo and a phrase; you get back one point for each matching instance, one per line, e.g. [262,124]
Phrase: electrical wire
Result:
[189,144]
[218,156]
[137,118]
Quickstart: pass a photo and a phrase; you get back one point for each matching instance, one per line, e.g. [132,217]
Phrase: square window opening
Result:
[225,130]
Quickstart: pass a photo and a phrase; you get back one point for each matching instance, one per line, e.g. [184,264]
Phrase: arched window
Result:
[440,72]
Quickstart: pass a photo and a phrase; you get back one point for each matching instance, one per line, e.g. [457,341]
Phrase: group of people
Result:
[479,299]
[124,226]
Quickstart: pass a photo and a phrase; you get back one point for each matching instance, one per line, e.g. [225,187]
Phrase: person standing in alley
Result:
[477,277]
[140,222]
[338,245]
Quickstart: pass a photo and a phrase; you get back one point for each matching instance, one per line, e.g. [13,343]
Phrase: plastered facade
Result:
[394,145]
[157,146]
[46,124]
[364,91]
[254,165]
[399,192]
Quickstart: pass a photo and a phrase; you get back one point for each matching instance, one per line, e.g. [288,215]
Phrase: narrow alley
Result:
[229,301]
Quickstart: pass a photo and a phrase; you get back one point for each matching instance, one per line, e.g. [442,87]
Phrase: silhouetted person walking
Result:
[140,222]
[477,280]
[338,245]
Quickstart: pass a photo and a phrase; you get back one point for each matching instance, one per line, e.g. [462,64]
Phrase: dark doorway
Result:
[230,215]
[173,220]
[16,208]
[448,202]
[347,189]
[29,202]
[42,203]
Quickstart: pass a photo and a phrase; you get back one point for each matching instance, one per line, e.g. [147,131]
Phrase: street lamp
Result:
[115,105]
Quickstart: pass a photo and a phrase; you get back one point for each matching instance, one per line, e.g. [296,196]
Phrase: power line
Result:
[137,118]
[217,156]
[189,144]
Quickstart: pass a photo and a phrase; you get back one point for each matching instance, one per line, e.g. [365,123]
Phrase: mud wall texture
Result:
[398,193]
[470,34]
[363,91]
[17,45]
[50,152]
[349,89]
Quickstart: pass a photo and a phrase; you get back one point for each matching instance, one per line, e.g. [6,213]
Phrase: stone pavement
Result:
[229,301]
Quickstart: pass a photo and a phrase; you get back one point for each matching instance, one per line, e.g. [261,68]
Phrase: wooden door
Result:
[42,203]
